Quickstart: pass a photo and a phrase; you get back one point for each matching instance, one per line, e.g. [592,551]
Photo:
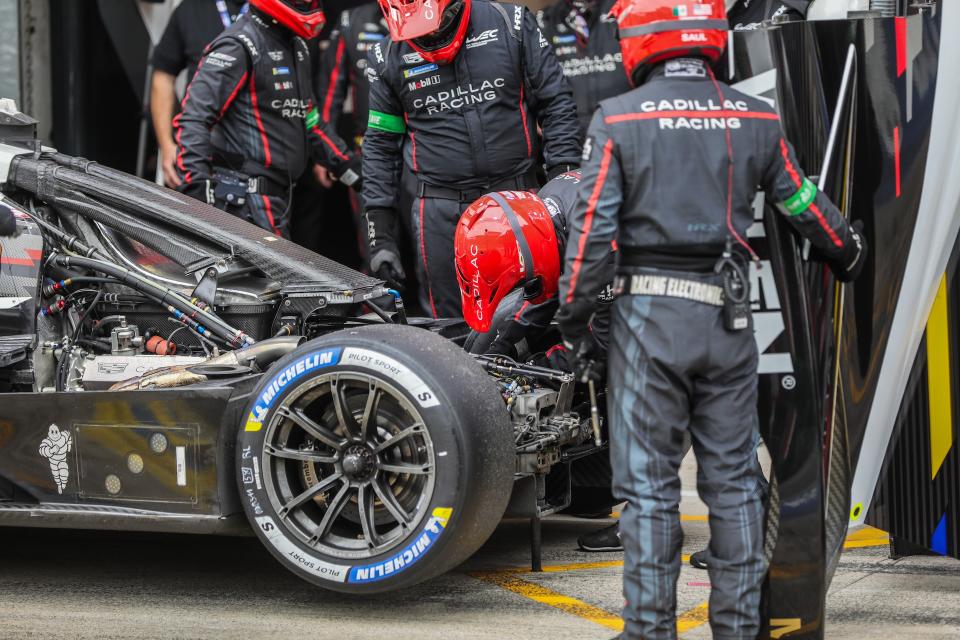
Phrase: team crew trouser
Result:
[434,221]
[267,212]
[674,368]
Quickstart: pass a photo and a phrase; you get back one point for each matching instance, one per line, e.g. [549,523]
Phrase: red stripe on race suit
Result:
[423,255]
[523,117]
[654,115]
[588,219]
[413,141]
[523,308]
[256,115]
[798,182]
[269,211]
[233,95]
[327,141]
[176,123]
[334,76]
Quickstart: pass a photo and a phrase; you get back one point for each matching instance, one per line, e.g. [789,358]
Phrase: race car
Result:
[167,366]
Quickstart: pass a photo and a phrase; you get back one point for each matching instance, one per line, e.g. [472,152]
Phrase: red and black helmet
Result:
[652,31]
[504,240]
[304,17]
[435,29]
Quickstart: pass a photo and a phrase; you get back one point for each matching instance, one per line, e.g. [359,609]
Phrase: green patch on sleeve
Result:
[801,200]
[313,118]
[386,122]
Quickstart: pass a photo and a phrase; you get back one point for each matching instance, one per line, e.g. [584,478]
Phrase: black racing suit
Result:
[748,15]
[248,123]
[517,322]
[345,63]
[470,127]
[589,53]
[671,170]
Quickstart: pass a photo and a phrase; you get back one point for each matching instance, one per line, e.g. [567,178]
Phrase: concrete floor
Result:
[114,585]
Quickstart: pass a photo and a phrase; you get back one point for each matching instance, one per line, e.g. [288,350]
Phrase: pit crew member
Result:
[248,119]
[584,38]
[191,28]
[466,84]
[510,310]
[670,171]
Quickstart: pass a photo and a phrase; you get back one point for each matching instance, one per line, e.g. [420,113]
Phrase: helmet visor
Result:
[304,7]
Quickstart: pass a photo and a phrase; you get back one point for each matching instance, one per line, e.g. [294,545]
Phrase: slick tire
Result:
[376,458]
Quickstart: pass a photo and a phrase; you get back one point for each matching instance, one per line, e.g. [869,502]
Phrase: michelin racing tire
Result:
[372,459]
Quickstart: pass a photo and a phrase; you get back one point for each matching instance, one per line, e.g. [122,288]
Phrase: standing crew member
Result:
[466,84]
[671,170]
[193,25]
[342,81]
[584,38]
[343,72]
[249,121]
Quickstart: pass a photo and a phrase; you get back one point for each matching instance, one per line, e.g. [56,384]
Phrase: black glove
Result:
[502,347]
[352,175]
[584,358]
[557,169]
[848,268]
[386,265]
[201,190]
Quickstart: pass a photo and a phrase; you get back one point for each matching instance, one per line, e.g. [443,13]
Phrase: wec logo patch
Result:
[484,38]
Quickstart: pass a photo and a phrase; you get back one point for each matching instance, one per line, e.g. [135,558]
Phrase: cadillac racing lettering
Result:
[392,369]
[704,123]
[573,67]
[302,559]
[291,373]
[291,107]
[460,97]
[407,556]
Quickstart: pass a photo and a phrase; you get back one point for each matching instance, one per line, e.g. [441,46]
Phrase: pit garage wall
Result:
[829,392]
[918,496]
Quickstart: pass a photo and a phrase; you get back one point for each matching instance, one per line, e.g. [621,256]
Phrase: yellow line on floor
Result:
[543,595]
[693,618]
[507,580]
[578,566]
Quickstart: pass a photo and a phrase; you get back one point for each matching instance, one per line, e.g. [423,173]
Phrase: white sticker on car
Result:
[302,559]
[394,370]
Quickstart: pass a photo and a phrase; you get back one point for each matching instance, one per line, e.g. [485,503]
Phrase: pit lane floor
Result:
[56,584]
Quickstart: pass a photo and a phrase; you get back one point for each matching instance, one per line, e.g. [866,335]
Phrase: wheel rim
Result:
[349,465]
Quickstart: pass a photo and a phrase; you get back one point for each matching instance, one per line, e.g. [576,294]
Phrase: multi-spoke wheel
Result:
[348,464]
[375,458]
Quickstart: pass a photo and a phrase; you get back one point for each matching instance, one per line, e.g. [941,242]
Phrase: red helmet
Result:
[435,29]
[304,17]
[502,240]
[652,31]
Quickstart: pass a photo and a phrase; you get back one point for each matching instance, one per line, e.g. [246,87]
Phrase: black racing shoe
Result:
[699,559]
[606,539]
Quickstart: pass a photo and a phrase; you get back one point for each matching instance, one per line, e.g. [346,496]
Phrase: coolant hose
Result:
[164,295]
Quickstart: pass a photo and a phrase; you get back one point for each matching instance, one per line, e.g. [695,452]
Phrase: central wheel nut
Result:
[358,462]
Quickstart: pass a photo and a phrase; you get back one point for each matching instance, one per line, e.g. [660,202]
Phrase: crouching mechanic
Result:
[248,122]
[510,307]
[682,355]
[466,84]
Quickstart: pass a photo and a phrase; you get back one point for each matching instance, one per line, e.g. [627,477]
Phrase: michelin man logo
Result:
[55,448]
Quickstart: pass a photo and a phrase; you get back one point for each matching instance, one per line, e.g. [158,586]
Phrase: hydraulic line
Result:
[167,297]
